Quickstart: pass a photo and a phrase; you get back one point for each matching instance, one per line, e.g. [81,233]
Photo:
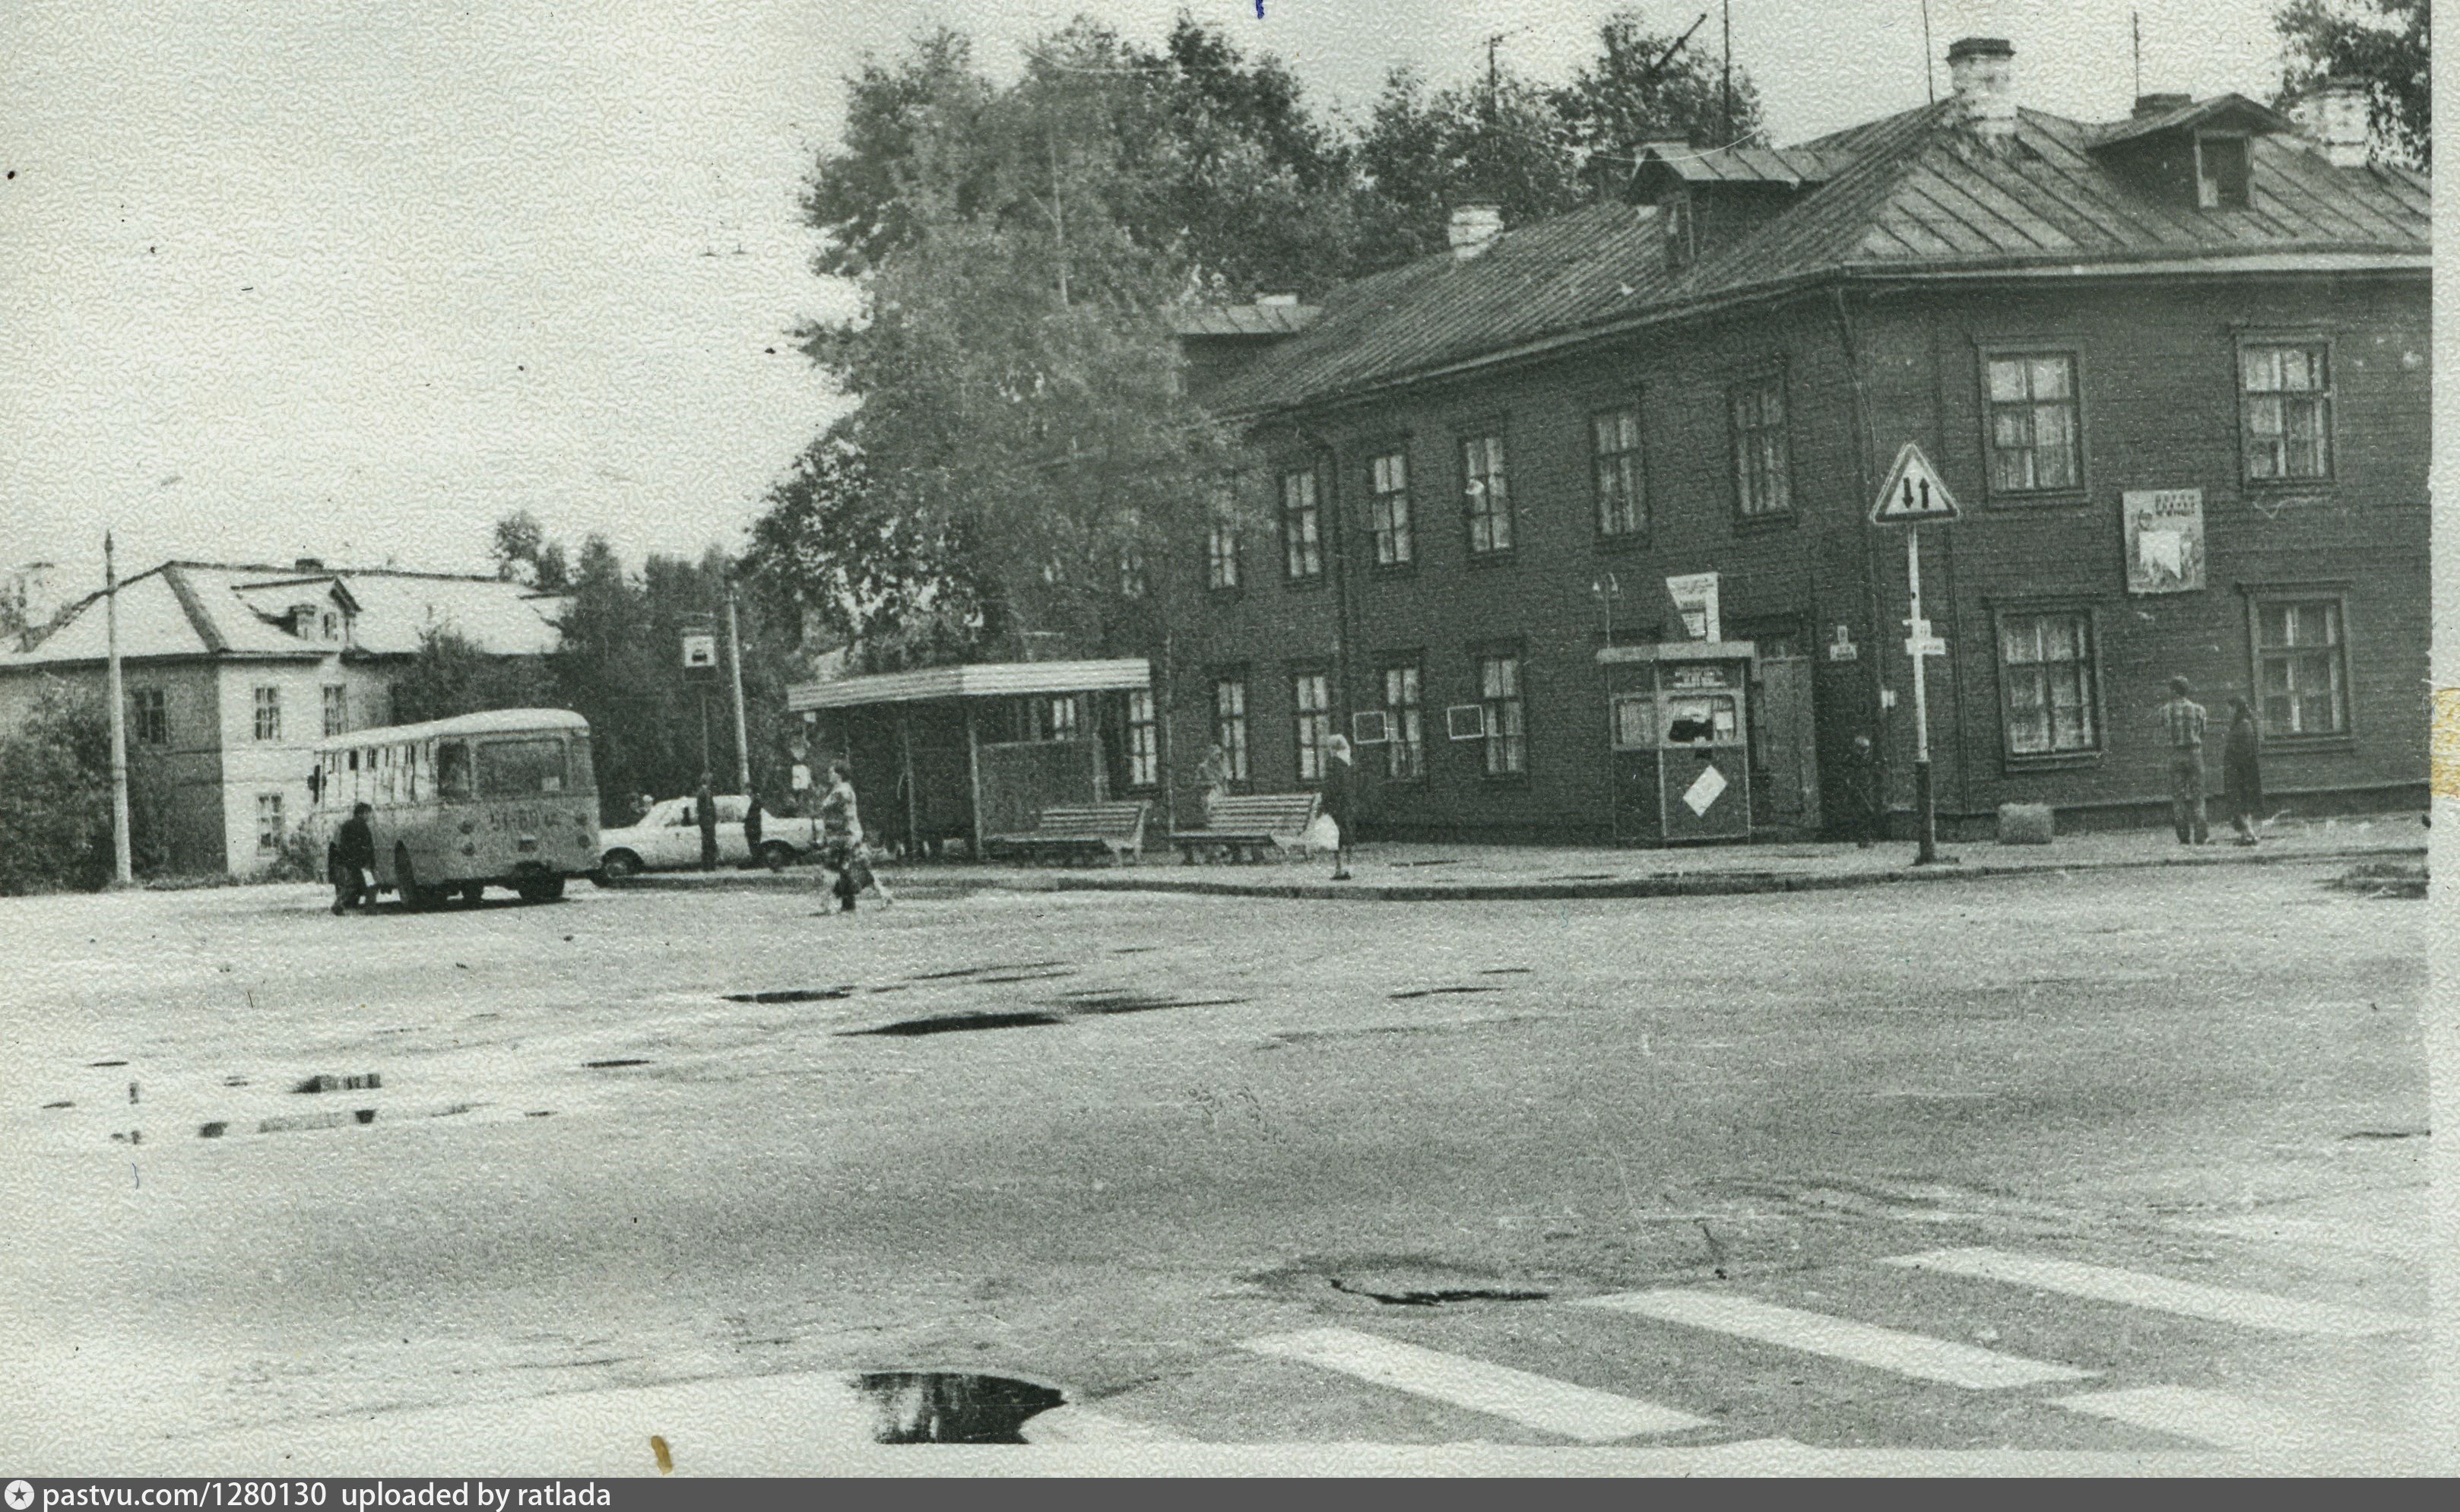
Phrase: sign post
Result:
[700,665]
[1915,496]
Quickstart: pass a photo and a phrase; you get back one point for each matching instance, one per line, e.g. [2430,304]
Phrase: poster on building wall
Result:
[1695,599]
[2165,540]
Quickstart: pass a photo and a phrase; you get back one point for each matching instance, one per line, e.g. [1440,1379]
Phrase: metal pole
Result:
[742,741]
[1917,634]
[913,799]
[974,777]
[120,870]
[704,730]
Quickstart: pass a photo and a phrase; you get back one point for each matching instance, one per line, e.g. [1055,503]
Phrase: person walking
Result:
[841,846]
[704,814]
[2242,772]
[1865,818]
[752,855]
[1340,793]
[2183,721]
[355,858]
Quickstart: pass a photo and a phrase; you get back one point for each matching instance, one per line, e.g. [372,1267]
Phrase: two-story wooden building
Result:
[2174,368]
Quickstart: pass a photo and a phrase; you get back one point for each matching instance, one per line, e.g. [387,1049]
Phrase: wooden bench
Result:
[1077,832]
[1245,827]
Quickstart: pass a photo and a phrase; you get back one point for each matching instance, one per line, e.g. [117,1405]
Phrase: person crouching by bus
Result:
[841,845]
[355,858]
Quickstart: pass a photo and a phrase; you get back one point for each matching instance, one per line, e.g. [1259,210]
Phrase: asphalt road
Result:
[1180,1147]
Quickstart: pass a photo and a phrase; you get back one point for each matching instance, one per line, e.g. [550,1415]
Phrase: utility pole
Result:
[735,653]
[2136,25]
[120,870]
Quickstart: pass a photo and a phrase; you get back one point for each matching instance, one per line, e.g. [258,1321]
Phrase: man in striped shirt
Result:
[2182,720]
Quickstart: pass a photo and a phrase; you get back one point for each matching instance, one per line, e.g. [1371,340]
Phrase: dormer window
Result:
[2222,172]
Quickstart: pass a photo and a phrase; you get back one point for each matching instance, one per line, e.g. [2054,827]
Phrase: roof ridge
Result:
[190,605]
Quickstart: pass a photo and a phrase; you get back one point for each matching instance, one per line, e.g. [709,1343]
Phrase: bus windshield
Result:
[522,767]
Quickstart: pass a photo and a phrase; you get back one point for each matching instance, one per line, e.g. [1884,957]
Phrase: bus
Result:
[504,798]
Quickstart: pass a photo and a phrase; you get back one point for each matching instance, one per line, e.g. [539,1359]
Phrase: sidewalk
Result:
[1419,873]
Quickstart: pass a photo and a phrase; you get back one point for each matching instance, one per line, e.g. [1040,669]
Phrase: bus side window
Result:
[410,773]
[453,770]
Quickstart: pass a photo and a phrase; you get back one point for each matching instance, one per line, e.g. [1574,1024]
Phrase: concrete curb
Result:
[810,879]
[1690,884]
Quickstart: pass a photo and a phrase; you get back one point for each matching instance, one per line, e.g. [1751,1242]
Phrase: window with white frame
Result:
[2224,173]
[1221,555]
[1615,461]
[1310,721]
[337,708]
[2302,673]
[1486,493]
[268,714]
[269,821]
[1498,685]
[1057,717]
[1388,509]
[2034,437]
[1404,723]
[1230,723]
[1144,739]
[1763,468]
[2046,679]
[2286,402]
[1302,527]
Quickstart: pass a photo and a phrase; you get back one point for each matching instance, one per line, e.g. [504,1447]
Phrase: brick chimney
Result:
[2337,116]
[2161,103]
[1474,227]
[1984,71]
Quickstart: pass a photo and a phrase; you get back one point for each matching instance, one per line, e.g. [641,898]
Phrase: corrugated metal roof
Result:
[1915,193]
[1748,163]
[986,680]
[1243,320]
[199,609]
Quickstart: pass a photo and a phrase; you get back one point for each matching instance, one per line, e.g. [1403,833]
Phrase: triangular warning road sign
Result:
[1914,495]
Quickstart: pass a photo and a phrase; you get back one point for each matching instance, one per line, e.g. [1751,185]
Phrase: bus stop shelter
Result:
[957,753]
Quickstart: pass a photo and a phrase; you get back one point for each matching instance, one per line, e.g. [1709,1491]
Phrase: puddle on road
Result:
[1509,971]
[953,1023]
[1414,1297]
[92,1063]
[2389,1134]
[1438,992]
[605,1065]
[61,1104]
[952,1407]
[363,1081]
[1114,1002]
[791,994]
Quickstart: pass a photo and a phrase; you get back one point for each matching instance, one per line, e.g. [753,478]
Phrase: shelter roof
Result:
[981,680]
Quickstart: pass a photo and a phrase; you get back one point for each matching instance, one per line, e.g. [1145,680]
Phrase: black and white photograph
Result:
[1218,739]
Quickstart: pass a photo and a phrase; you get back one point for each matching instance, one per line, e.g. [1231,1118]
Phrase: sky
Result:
[353,279]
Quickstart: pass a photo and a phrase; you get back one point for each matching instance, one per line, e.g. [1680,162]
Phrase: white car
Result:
[668,835]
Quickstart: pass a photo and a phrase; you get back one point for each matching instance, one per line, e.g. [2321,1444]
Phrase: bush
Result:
[301,857]
[55,797]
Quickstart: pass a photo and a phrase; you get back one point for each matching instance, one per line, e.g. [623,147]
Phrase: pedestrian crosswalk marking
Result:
[1533,1401]
[1913,1354]
[2220,1419]
[2254,1309]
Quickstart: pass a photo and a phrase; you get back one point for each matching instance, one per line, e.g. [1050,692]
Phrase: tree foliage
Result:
[55,798]
[451,674]
[1023,462]
[2384,42]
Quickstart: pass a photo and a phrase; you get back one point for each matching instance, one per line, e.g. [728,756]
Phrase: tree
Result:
[1016,359]
[2384,42]
[55,798]
[451,674]
[522,552]
[1424,152]
[1646,86]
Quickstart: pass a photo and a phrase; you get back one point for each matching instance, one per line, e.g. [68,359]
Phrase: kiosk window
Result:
[1690,720]
[453,770]
[1631,722]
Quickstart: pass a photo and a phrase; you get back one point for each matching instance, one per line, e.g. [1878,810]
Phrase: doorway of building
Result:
[1783,758]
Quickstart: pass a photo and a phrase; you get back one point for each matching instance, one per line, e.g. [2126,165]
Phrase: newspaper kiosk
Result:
[1679,719]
